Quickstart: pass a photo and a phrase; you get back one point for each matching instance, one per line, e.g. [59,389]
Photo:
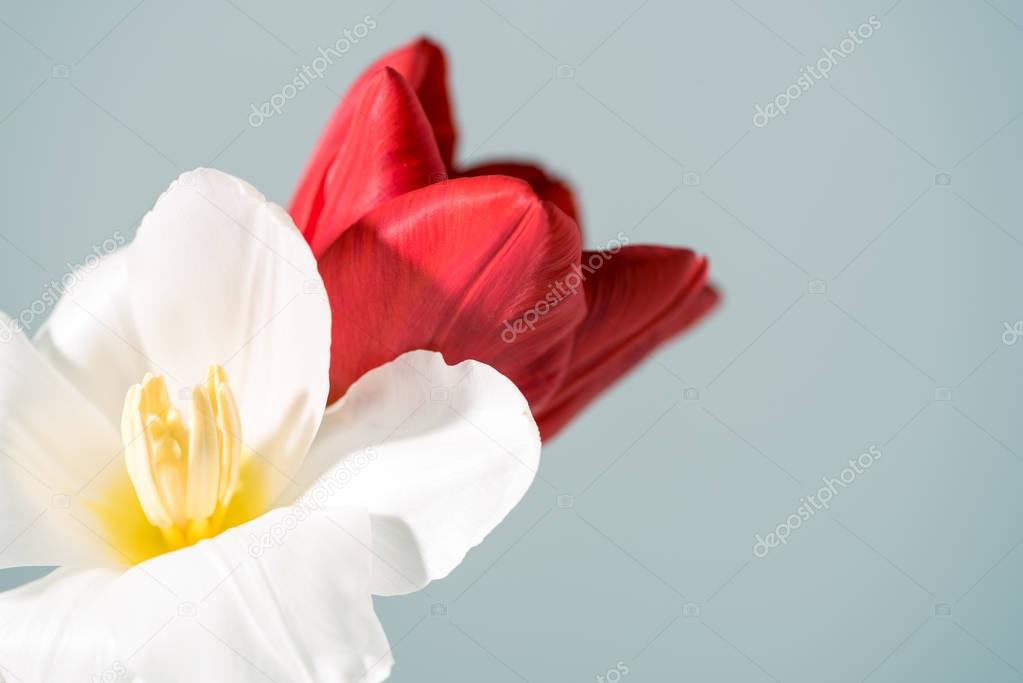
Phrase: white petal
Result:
[44,628]
[220,275]
[284,597]
[438,454]
[216,274]
[90,336]
[52,443]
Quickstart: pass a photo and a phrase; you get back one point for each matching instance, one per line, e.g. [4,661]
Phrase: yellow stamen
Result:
[184,476]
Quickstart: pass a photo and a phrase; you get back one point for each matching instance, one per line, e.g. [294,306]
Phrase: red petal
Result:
[422,64]
[545,186]
[425,67]
[389,150]
[636,300]
[452,267]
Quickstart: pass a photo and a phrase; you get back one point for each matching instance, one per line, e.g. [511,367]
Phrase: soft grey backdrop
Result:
[868,244]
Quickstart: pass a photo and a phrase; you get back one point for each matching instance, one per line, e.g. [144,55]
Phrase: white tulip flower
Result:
[164,441]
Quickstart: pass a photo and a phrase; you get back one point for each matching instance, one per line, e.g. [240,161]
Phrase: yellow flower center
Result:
[184,476]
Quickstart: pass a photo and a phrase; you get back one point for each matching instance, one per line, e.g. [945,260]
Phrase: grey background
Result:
[913,574]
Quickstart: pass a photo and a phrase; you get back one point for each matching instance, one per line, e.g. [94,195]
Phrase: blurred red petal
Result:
[422,64]
[454,267]
[545,186]
[636,300]
[389,150]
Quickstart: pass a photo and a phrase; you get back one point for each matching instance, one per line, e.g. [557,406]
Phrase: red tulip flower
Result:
[480,263]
